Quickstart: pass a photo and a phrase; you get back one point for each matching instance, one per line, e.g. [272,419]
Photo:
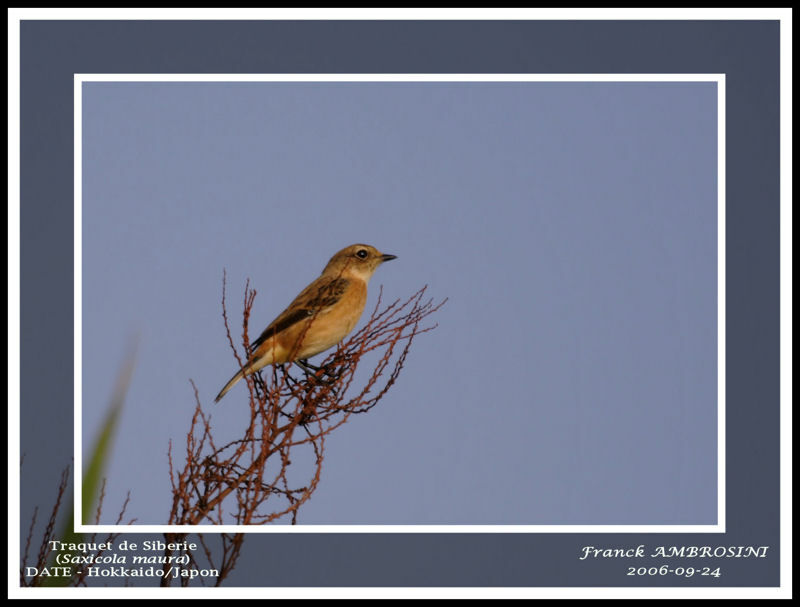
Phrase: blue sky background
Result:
[572,378]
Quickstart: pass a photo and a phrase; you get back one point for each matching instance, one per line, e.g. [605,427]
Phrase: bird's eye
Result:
[362,253]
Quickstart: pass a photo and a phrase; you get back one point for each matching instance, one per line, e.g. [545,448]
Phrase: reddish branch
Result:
[252,480]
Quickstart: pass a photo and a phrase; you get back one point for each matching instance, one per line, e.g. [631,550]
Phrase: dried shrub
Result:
[268,472]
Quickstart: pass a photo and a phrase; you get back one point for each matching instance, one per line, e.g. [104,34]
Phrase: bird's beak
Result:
[387,257]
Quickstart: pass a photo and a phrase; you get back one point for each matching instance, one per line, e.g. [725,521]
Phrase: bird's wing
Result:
[315,298]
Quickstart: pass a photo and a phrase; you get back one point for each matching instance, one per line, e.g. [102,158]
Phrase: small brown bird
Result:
[320,317]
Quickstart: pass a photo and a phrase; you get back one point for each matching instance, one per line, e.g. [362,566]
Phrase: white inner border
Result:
[719,79]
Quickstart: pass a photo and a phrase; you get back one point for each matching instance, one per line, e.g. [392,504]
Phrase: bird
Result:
[319,317]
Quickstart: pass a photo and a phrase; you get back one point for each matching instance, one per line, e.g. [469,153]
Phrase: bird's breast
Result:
[331,325]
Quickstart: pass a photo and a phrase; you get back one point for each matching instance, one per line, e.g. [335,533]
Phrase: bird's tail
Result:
[230,384]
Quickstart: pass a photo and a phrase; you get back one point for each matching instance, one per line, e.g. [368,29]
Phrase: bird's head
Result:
[359,259]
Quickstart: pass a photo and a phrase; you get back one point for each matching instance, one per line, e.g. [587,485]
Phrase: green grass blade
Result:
[97,464]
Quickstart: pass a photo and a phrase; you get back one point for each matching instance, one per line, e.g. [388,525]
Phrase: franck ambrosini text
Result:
[678,561]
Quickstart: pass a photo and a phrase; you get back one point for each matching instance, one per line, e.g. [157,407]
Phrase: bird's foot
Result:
[323,375]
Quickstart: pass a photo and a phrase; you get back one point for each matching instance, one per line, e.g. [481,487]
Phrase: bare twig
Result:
[251,480]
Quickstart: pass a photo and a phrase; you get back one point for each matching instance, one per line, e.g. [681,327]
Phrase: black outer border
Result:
[747,52]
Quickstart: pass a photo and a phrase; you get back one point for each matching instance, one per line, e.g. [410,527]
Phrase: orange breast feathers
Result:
[327,313]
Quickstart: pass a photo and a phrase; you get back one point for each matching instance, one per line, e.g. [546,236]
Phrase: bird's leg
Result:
[313,371]
[305,365]
[326,369]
